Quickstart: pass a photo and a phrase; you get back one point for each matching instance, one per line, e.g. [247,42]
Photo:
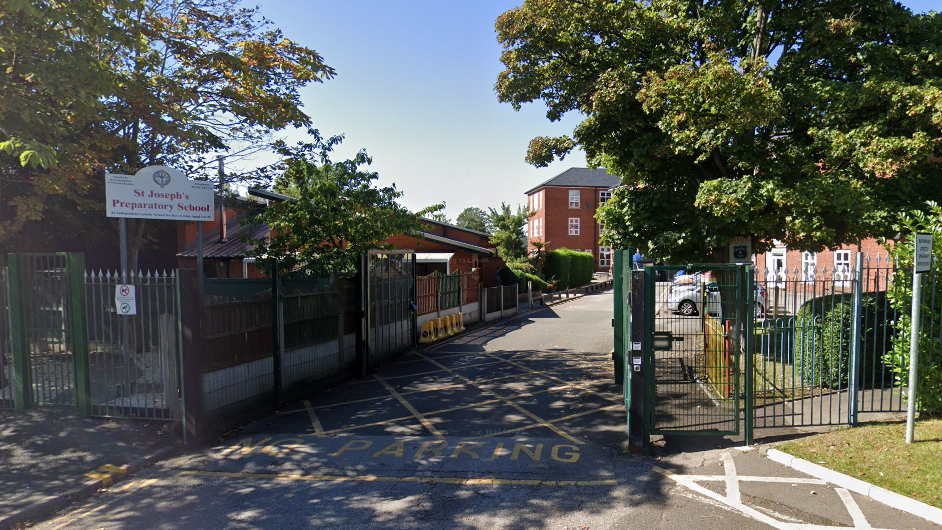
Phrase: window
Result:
[809,266]
[604,196]
[530,232]
[539,200]
[574,225]
[605,256]
[574,200]
[539,227]
[601,228]
[842,265]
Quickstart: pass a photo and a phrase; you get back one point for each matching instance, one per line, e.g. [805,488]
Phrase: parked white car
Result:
[687,296]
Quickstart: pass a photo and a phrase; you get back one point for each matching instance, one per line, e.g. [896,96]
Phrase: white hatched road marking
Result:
[733,499]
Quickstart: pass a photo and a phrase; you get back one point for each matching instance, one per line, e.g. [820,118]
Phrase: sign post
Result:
[922,263]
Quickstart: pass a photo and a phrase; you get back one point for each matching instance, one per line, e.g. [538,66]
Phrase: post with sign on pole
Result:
[922,262]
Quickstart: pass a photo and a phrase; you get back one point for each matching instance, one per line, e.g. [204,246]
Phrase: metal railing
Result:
[821,343]
[133,360]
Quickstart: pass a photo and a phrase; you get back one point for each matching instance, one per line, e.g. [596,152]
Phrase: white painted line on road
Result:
[853,509]
[732,481]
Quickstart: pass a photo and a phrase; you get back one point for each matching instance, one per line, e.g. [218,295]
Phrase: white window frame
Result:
[601,228]
[605,256]
[604,196]
[842,268]
[539,227]
[575,199]
[538,199]
[809,266]
[574,227]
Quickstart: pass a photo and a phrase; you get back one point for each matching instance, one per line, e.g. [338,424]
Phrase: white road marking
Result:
[733,498]
[860,521]
[732,481]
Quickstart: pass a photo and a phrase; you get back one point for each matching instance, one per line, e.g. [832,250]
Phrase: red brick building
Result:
[565,207]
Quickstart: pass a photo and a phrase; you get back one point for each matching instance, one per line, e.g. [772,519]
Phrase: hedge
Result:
[823,340]
[558,265]
[523,277]
[569,268]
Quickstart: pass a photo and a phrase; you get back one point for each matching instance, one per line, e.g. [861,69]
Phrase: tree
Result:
[440,217]
[473,219]
[338,214]
[53,88]
[813,123]
[506,230]
[183,80]
[202,77]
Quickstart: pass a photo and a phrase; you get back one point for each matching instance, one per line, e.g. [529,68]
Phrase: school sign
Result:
[158,192]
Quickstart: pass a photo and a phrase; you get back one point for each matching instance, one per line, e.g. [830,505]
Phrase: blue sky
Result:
[415,88]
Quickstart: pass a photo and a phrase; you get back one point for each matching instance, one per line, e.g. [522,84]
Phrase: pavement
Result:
[52,457]
[511,425]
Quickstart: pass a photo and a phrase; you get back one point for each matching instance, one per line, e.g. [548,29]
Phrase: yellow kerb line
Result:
[457,481]
[415,413]
[318,428]
[520,409]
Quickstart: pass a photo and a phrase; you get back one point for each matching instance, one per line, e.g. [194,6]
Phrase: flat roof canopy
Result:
[433,257]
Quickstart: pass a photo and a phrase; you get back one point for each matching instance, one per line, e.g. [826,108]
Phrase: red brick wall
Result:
[554,214]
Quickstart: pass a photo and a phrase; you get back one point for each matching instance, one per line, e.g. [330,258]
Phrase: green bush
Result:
[823,340]
[522,267]
[558,265]
[521,279]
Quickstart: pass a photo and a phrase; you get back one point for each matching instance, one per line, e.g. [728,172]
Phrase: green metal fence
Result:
[820,344]
[6,361]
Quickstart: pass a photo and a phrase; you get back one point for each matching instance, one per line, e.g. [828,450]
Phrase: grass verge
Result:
[877,453]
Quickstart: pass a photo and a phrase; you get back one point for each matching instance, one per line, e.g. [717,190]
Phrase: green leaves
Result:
[812,123]
[339,213]
[506,230]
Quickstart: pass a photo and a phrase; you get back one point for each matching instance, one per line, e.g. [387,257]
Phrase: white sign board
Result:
[740,250]
[125,299]
[159,192]
[923,253]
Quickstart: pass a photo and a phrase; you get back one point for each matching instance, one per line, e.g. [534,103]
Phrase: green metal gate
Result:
[692,345]
[49,348]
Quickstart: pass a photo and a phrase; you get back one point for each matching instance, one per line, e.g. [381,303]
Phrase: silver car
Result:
[687,298]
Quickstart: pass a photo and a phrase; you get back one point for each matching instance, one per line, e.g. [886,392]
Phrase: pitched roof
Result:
[580,177]
[454,243]
[236,245]
[456,227]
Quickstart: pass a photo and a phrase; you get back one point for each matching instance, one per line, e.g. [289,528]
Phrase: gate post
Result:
[618,354]
[79,331]
[277,331]
[749,321]
[362,308]
[853,377]
[20,372]
[192,313]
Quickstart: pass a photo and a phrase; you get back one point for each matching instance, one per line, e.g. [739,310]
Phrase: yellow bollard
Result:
[428,334]
[437,329]
[460,321]
[446,326]
[454,323]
